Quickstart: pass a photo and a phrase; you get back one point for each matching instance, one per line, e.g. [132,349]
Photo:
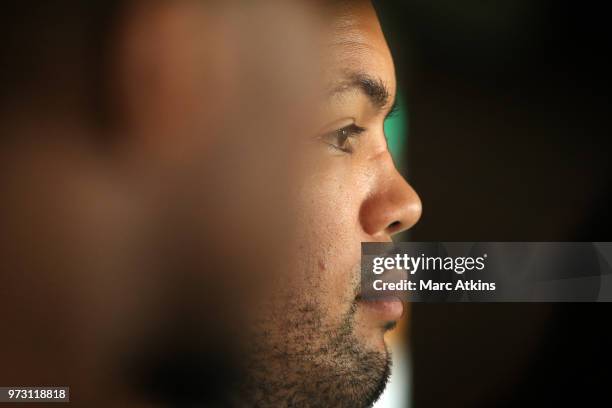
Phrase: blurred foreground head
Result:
[148,153]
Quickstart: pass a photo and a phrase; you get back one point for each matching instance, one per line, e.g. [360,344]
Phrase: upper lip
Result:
[386,309]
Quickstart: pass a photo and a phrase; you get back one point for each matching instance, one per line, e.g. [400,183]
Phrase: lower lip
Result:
[387,310]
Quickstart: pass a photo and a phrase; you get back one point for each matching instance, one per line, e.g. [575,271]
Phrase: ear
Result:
[167,71]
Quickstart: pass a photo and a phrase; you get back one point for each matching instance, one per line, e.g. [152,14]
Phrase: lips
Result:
[385,306]
[386,310]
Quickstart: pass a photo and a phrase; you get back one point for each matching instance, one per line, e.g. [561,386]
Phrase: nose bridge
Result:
[393,206]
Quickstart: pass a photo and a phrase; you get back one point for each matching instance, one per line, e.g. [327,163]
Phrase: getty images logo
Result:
[414,264]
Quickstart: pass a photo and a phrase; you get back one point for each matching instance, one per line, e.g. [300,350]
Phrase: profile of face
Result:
[323,346]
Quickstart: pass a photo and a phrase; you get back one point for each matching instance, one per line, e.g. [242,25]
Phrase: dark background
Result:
[509,141]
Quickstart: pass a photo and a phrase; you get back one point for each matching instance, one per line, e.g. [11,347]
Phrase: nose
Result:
[392,207]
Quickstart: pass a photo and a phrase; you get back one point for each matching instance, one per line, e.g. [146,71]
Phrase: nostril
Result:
[393,226]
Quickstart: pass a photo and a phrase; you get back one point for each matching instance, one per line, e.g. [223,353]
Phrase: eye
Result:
[341,139]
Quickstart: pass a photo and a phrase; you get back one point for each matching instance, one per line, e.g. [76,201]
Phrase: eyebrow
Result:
[374,88]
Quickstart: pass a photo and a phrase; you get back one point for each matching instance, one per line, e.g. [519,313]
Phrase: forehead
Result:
[357,44]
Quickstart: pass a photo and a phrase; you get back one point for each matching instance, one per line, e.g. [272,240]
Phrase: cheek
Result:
[331,234]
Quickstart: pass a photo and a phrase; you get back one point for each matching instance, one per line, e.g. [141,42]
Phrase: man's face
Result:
[323,346]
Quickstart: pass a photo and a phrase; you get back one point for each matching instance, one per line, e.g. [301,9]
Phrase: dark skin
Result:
[322,345]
